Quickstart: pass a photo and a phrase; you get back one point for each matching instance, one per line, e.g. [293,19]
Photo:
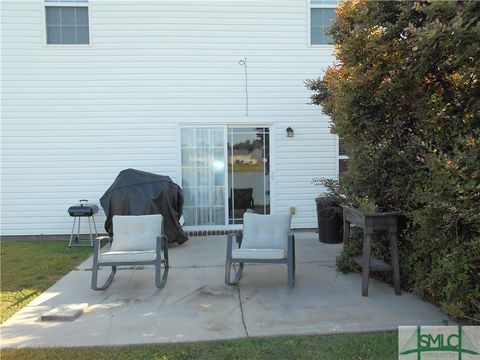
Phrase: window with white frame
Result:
[322,16]
[342,157]
[67,21]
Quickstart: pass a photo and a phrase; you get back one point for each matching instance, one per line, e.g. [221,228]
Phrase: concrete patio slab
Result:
[323,302]
[195,304]
[193,307]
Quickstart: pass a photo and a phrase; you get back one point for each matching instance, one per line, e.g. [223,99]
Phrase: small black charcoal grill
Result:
[83,209]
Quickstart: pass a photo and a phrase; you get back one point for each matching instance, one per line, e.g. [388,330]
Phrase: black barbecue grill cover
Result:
[136,192]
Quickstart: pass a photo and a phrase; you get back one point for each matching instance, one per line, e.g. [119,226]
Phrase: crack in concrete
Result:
[241,311]
[111,309]
[241,306]
[109,330]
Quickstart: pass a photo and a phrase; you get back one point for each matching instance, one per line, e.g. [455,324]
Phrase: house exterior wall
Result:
[73,116]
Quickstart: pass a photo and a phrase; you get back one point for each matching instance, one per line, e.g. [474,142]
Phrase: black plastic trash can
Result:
[330,220]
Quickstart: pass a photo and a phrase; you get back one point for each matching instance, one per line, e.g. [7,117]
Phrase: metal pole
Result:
[73,229]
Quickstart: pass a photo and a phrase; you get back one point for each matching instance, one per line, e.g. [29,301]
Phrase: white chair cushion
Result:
[265,231]
[127,256]
[136,232]
[259,254]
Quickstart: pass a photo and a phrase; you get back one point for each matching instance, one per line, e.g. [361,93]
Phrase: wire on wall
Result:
[243,63]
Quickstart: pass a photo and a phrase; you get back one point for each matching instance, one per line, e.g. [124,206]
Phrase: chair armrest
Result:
[96,247]
[100,238]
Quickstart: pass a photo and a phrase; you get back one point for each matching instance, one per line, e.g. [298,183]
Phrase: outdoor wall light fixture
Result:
[289,132]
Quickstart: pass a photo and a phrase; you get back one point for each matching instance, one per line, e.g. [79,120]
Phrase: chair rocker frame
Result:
[160,280]
[289,261]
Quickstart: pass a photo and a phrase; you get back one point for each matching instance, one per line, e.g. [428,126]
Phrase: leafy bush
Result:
[344,260]
[405,98]
[331,199]
[367,205]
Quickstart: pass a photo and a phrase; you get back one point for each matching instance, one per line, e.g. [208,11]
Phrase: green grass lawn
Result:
[349,346]
[30,267]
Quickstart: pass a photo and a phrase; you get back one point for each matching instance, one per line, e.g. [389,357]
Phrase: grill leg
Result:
[78,232]
[75,239]
[73,229]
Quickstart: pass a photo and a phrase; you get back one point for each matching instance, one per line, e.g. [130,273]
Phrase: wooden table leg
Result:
[346,231]
[395,261]
[367,245]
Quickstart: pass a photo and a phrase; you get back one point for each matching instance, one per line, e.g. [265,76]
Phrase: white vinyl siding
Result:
[73,117]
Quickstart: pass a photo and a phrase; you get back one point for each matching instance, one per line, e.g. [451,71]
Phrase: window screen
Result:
[320,22]
[67,24]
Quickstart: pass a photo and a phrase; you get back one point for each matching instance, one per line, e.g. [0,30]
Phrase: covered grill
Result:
[83,209]
[136,192]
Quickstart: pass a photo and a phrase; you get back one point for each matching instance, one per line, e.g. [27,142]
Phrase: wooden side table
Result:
[370,223]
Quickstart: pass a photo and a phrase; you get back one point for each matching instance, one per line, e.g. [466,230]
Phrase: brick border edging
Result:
[226,232]
[211,232]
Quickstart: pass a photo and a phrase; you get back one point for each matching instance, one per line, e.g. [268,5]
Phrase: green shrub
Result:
[331,199]
[344,261]
[405,98]
[366,205]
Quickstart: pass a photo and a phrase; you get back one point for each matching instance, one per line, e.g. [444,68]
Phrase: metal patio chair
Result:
[266,239]
[137,240]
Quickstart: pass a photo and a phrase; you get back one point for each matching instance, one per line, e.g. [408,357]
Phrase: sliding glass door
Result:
[203,175]
[217,194]
[248,172]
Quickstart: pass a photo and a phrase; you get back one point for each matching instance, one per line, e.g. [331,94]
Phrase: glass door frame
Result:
[272,131]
